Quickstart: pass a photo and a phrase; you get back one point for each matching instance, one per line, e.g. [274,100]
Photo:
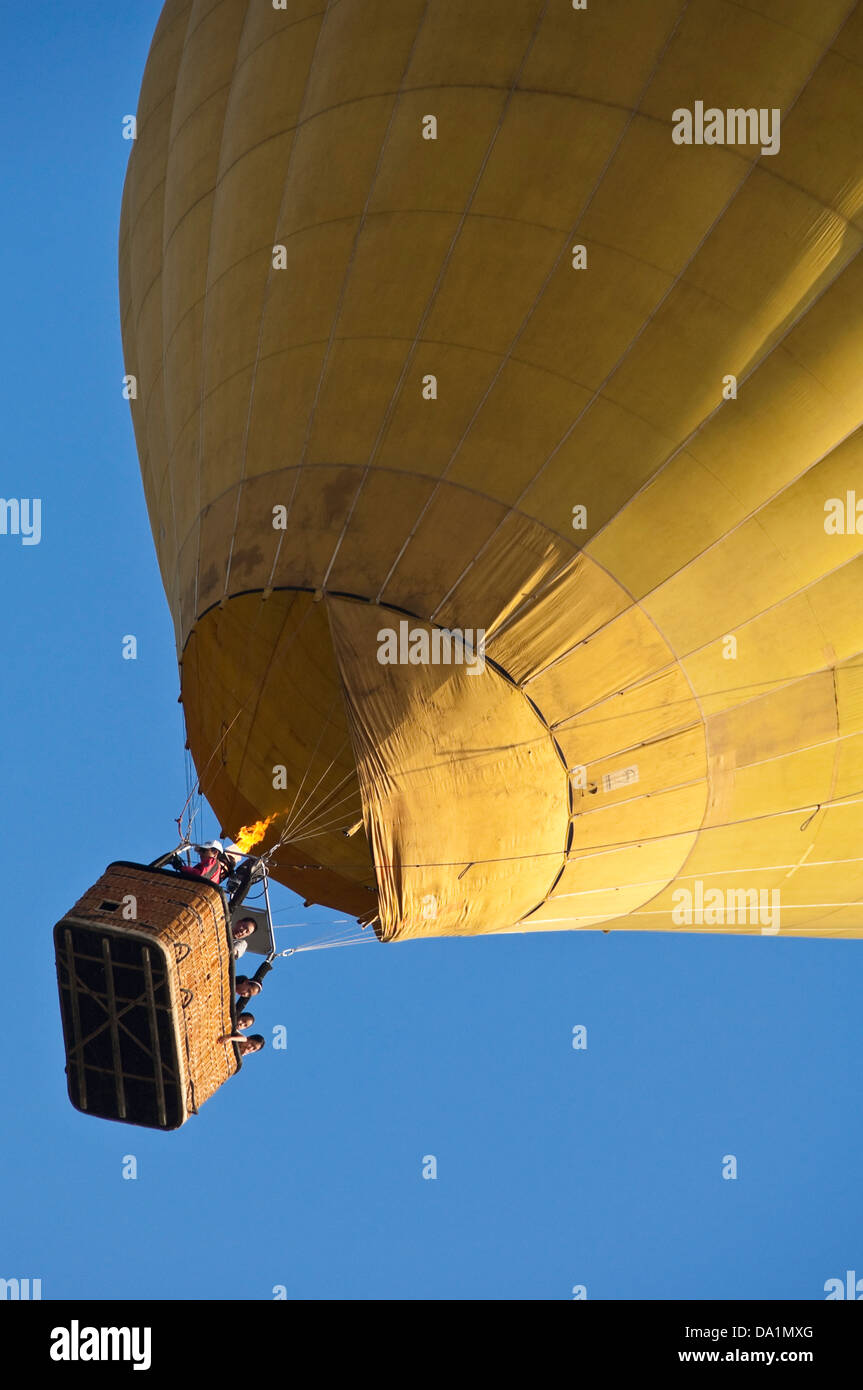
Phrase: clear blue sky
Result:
[555,1167]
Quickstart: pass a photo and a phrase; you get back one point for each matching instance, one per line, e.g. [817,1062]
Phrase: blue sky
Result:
[556,1167]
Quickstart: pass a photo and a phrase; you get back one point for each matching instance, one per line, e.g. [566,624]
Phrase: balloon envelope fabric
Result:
[497,396]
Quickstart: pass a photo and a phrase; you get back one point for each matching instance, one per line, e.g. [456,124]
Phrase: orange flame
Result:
[251,835]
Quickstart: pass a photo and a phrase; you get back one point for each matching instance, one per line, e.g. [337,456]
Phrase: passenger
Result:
[246,927]
[254,1043]
[246,988]
[244,1021]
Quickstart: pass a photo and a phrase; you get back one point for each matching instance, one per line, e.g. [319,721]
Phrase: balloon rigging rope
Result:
[314,753]
[350,935]
[314,826]
[302,818]
[334,945]
[307,813]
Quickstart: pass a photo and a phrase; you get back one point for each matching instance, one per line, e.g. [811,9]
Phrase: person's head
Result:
[246,988]
[245,1020]
[245,927]
[253,1043]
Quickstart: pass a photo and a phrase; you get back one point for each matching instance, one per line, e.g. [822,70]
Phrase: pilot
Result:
[210,865]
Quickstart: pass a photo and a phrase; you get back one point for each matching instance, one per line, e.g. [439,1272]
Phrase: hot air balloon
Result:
[498,411]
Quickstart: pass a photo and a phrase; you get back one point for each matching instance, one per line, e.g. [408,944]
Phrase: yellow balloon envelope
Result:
[497,395]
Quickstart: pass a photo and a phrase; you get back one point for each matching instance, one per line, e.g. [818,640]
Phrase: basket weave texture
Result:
[187,917]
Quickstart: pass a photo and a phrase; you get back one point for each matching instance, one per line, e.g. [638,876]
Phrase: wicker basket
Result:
[146,977]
